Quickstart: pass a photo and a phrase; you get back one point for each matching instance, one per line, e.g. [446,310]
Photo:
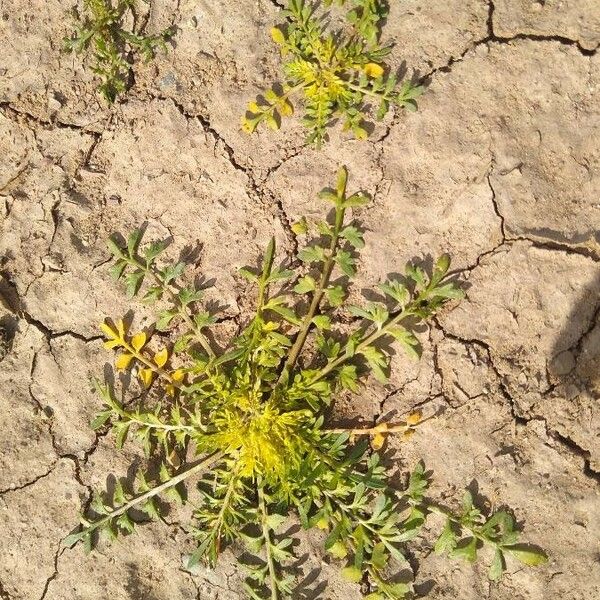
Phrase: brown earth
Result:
[499,168]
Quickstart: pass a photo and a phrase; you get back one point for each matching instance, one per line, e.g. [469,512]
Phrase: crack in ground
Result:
[49,334]
[52,577]
[30,483]
[16,115]
[254,189]
[521,419]
[492,37]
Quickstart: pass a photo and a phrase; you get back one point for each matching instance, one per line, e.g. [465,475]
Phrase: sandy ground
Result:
[499,168]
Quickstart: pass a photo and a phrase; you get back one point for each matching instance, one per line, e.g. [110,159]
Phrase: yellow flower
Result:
[373,70]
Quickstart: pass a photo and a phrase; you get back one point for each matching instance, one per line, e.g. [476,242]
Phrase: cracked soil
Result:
[499,168]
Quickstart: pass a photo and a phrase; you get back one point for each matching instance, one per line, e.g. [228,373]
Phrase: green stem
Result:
[366,341]
[317,296]
[267,537]
[369,92]
[196,468]
[436,508]
[202,340]
[226,499]
[158,370]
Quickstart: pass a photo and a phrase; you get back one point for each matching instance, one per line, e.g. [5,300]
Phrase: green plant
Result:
[252,417]
[101,27]
[336,74]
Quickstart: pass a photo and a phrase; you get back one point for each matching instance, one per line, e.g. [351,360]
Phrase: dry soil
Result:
[499,167]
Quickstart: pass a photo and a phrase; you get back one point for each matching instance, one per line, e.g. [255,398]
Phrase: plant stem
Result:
[196,468]
[159,370]
[366,341]
[202,340]
[368,92]
[317,295]
[267,536]
[225,506]
[380,428]
[436,508]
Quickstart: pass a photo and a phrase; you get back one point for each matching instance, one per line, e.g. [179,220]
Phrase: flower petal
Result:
[373,70]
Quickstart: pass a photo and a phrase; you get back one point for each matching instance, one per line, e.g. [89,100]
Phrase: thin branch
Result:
[196,468]
[267,536]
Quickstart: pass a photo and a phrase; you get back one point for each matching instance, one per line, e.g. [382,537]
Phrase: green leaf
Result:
[345,262]
[287,313]
[133,241]
[354,236]
[335,295]
[154,249]
[100,419]
[358,199]
[417,483]
[247,274]
[396,290]
[466,549]
[338,550]
[377,361]
[379,556]
[116,271]
[164,319]
[300,227]
[114,247]
[133,281]
[275,521]
[348,378]
[305,285]
[352,574]
[322,322]
[312,254]
[267,263]
[172,272]
[342,179]
[497,566]
[527,554]
[447,540]
[409,342]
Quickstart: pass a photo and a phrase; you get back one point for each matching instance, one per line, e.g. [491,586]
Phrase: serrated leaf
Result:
[447,540]
[305,284]
[133,241]
[354,236]
[300,227]
[338,550]
[322,322]
[164,319]
[133,281]
[335,295]
[100,419]
[311,254]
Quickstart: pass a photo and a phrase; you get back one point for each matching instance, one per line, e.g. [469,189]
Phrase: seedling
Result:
[101,29]
[248,424]
[334,74]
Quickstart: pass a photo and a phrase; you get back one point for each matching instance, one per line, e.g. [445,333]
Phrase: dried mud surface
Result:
[500,168]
